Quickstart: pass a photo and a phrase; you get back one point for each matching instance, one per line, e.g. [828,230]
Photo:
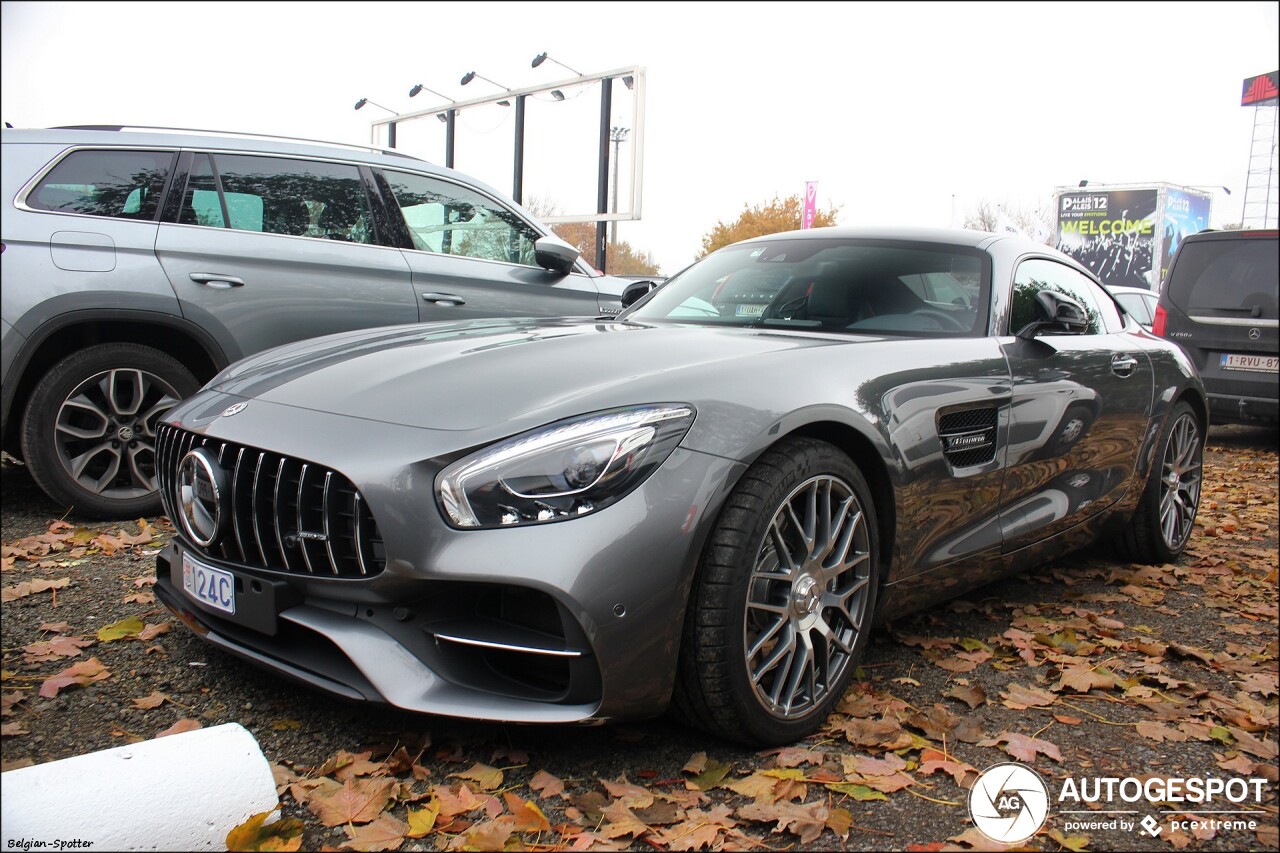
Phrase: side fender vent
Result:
[968,437]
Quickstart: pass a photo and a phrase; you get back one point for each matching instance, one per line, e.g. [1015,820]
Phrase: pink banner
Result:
[810,204]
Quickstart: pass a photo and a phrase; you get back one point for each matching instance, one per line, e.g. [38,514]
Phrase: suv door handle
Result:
[1123,365]
[218,280]
[443,299]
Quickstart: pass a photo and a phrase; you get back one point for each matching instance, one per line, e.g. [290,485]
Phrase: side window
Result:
[452,220]
[277,195]
[1038,274]
[119,184]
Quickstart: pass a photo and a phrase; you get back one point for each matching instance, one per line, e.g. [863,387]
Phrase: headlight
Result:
[561,471]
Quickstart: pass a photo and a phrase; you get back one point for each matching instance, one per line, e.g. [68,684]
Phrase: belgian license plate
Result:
[750,310]
[207,585]
[1261,363]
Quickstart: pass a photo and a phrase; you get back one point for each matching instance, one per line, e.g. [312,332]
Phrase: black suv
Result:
[1219,303]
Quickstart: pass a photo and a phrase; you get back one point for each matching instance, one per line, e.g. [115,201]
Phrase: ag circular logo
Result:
[198,490]
[1009,803]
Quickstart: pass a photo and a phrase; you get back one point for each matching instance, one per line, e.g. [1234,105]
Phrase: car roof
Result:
[912,233]
[223,140]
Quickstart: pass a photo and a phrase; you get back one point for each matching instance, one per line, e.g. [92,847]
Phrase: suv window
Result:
[277,195]
[119,184]
[1224,275]
[451,220]
[1039,274]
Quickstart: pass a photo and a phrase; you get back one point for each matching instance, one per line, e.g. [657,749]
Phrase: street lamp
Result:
[1226,190]
[471,75]
[542,57]
[391,126]
[360,103]
[419,88]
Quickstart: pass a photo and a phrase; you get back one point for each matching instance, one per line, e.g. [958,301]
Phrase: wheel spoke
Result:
[75,412]
[80,464]
[141,478]
[125,389]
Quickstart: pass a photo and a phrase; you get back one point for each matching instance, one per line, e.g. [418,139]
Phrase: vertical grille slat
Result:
[279,506]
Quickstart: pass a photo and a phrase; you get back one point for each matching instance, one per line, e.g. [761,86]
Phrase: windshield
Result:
[833,285]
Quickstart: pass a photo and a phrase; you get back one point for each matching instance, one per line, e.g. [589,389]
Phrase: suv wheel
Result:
[88,434]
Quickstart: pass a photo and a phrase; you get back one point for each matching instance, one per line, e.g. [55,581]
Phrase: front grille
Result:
[284,514]
[968,437]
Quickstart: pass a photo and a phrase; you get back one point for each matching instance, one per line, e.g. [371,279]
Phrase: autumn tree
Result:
[781,214]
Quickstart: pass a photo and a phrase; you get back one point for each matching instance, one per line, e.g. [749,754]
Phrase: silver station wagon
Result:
[137,264]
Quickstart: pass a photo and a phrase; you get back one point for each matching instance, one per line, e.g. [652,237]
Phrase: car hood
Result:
[462,376]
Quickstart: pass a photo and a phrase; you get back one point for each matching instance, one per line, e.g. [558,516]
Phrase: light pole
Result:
[617,135]
[391,126]
[448,118]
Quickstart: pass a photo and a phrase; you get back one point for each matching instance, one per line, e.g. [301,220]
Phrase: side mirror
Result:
[552,253]
[636,291]
[1057,312]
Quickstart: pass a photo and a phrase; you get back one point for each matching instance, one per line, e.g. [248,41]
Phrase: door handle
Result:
[218,280]
[443,299]
[1123,365]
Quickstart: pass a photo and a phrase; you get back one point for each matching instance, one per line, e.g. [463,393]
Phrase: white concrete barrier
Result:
[180,792]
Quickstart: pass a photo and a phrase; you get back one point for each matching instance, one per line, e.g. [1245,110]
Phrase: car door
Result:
[473,256]
[264,250]
[1079,408]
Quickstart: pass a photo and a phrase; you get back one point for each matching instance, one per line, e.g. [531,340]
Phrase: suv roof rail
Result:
[237,134]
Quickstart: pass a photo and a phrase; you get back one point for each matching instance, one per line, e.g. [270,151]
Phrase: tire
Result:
[88,433]
[1166,512]
[798,631]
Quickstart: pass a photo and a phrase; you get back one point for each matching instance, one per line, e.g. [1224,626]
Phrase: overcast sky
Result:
[903,113]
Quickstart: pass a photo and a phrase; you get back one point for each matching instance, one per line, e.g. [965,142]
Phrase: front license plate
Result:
[1259,363]
[207,585]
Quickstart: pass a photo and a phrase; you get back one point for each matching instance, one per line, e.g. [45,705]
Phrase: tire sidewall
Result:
[806,460]
[39,419]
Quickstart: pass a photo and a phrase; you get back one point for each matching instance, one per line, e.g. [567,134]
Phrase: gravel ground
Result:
[1212,617]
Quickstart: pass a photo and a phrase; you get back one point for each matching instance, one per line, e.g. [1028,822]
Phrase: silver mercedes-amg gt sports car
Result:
[704,503]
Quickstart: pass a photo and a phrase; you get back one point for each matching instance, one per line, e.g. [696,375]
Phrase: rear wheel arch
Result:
[54,343]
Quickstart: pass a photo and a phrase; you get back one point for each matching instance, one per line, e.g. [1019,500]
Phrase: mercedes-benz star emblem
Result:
[1255,334]
[234,409]
[199,488]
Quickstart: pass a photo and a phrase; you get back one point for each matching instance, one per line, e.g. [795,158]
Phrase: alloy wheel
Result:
[1180,481]
[105,431]
[807,597]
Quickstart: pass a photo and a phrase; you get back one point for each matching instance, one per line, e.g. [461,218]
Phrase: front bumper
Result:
[562,622]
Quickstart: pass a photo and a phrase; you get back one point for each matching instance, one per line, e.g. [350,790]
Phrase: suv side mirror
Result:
[552,253]
[1057,312]
[636,291]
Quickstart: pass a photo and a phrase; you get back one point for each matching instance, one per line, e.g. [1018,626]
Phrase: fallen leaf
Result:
[31,587]
[357,801]
[970,694]
[81,674]
[806,821]
[488,778]
[180,727]
[283,835]
[385,833]
[146,703]
[1024,748]
[128,627]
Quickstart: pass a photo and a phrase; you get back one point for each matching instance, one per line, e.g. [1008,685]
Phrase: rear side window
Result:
[277,195]
[451,220]
[1227,278]
[118,184]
